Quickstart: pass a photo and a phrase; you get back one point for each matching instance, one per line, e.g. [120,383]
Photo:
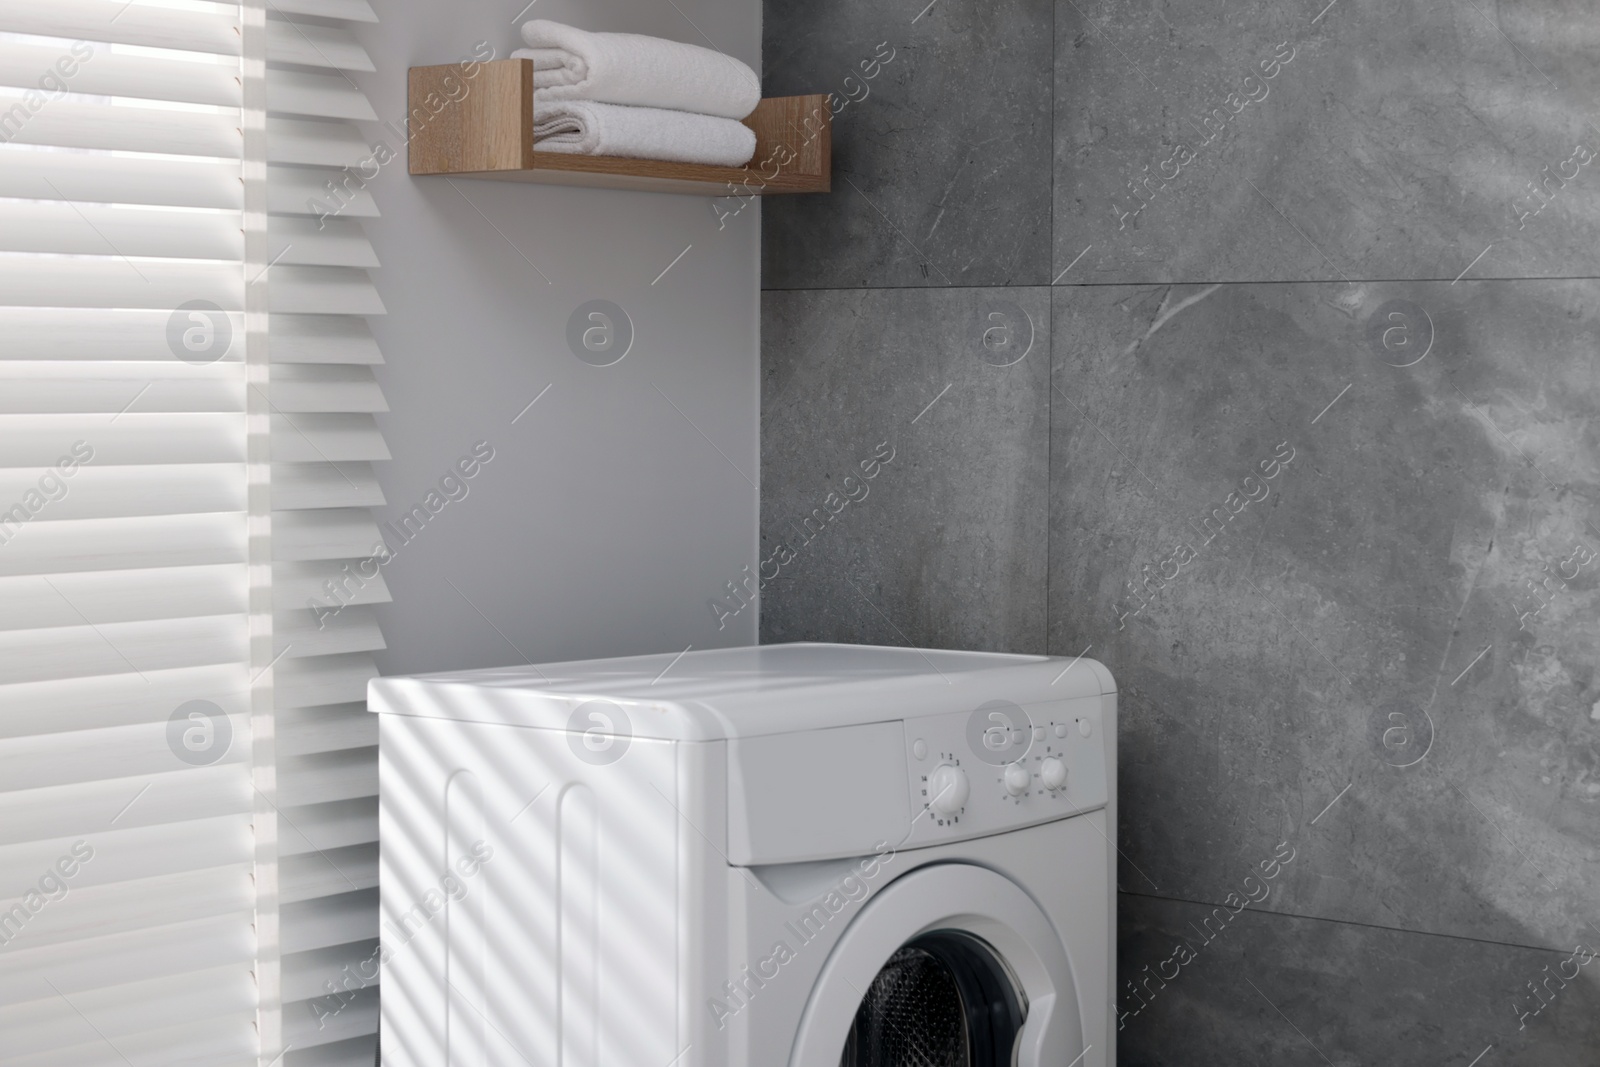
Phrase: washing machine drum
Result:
[946,999]
[950,965]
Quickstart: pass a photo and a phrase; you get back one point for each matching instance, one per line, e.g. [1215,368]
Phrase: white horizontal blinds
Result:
[126,830]
[325,442]
[263,640]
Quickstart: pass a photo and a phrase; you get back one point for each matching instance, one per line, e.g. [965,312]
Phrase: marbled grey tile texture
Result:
[1281,633]
[1209,987]
[1334,523]
[941,158]
[1377,141]
[946,545]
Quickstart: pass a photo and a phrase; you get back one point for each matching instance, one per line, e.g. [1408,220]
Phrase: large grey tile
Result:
[1393,143]
[1225,988]
[1287,656]
[946,544]
[941,159]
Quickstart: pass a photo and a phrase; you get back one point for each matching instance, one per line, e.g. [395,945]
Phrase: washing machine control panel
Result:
[1005,765]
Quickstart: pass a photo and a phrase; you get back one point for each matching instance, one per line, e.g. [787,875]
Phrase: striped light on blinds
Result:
[325,439]
[127,845]
[187,775]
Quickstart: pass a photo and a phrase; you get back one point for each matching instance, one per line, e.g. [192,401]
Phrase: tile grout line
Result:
[1050,331]
[1146,283]
[1346,922]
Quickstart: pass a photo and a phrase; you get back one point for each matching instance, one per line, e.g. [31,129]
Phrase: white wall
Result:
[606,520]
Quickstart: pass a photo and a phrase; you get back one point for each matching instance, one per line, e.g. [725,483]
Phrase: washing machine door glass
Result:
[944,999]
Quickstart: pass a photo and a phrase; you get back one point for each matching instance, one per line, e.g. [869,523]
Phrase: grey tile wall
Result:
[946,544]
[941,165]
[1313,468]
[1257,141]
[1217,989]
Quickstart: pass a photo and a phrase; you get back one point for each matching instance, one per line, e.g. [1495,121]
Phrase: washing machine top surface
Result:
[744,692]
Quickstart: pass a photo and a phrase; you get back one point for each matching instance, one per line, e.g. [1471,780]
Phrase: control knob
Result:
[947,789]
[1017,779]
[1053,773]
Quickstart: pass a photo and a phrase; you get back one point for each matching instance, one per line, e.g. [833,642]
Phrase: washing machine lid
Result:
[742,692]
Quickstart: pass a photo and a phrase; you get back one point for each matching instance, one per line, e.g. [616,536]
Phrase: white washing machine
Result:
[796,855]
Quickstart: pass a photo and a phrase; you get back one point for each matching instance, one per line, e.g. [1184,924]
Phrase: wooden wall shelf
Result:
[484,129]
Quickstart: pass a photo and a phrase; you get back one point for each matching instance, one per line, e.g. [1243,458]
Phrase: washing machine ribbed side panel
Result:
[532,895]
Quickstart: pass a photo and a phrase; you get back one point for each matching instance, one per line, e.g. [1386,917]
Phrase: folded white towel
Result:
[583,127]
[628,68]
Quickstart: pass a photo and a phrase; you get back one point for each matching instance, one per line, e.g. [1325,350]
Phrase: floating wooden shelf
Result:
[482,127]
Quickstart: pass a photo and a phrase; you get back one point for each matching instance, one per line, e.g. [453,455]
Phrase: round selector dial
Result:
[1053,773]
[948,789]
[1017,779]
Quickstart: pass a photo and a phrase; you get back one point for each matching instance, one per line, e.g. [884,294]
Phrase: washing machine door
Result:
[950,966]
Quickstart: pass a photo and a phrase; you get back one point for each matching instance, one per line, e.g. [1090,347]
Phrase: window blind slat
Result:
[329,438]
[326,389]
[55,546]
[114,282]
[122,907]
[38,1026]
[306,191]
[97,230]
[299,633]
[72,122]
[324,290]
[215,1042]
[24,390]
[306,1028]
[330,872]
[101,178]
[330,243]
[326,776]
[322,339]
[118,596]
[331,825]
[138,956]
[344,10]
[303,581]
[134,437]
[99,334]
[330,533]
[302,731]
[324,680]
[129,491]
[331,921]
[328,96]
[80,809]
[47,653]
[356,1052]
[306,44]
[302,486]
[47,761]
[90,703]
[308,142]
[195,27]
[175,77]
[306,974]
[129,855]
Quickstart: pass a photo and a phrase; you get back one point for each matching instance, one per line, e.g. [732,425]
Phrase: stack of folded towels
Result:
[623,94]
